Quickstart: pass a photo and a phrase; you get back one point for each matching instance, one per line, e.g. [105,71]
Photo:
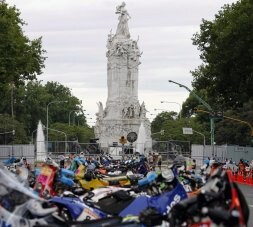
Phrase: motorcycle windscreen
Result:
[9,181]
[164,202]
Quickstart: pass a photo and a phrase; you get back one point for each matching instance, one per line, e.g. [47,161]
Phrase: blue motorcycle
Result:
[122,203]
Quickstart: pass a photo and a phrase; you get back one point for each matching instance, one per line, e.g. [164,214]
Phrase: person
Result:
[155,157]
[193,164]
[150,159]
[25,164]
[91,166]
[207,162]
[159,161]
[62,161]
[73,164]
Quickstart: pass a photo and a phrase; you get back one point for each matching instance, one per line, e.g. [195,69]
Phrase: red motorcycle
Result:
[45,180]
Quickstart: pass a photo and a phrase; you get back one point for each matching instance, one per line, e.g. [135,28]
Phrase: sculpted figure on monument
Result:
[100,110]
[143,110]
[122,28]
[109,40]
[125,112]
[136,110]
[120,50]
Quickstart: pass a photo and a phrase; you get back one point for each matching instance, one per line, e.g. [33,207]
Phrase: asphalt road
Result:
[248,193]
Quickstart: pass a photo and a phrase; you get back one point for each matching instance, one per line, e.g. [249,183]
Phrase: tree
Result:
[20,58]
[11,131]
[31,102]
[226,49]
[173,128]
[237,131]
[157,123]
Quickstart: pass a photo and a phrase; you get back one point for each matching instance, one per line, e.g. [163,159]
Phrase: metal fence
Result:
[200,153]
[168,150]
[17,150]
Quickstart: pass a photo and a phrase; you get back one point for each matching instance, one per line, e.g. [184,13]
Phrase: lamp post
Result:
[70,114]
[47,114]
[204,142]
[180,108]
[32,134]
[60,132]
[206,105]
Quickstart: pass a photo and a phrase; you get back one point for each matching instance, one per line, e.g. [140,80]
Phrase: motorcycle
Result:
[220,203]
[122,203]
[52,180]
[19,206]
[192,182]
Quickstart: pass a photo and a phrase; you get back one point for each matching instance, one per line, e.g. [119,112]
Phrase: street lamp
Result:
[204,142]
[32,134]
[70,114]
[206,105]
[47,114]
[60,132]
[180,108]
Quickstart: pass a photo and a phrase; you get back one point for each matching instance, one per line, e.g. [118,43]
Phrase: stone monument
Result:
[123,112]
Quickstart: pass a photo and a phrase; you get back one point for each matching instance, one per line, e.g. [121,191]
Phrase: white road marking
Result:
[250,205]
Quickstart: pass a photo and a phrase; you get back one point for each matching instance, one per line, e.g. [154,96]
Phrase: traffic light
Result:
[216,115]
[122,140]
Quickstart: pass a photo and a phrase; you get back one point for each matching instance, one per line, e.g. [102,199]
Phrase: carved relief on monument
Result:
[131,110]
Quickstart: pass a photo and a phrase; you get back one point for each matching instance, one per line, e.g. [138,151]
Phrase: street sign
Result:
[132,137]
[187,131]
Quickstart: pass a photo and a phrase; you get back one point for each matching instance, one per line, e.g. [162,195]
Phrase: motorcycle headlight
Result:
[46,194]
[38,187]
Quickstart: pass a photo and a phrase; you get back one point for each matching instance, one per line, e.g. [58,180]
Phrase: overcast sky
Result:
[75,32]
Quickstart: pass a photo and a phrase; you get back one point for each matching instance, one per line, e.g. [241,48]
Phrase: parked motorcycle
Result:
[220,203]
[52,180]
[122,203]
[19,206]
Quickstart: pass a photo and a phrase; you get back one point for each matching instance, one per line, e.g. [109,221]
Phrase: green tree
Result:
[226,49]
[31,102]
[82,133]
[157,123]
[20,58]
[11,131]
[236,129]
[173,128]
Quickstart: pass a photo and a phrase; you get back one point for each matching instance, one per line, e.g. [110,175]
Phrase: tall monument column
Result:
[123,112]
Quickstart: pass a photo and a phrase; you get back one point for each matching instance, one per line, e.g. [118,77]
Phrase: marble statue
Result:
[100,110]
[143,110]
[122,28]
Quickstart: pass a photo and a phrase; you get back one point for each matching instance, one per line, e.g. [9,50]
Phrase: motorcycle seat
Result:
[115,203]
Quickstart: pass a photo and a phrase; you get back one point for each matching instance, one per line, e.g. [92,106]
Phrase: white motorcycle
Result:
[19,206]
